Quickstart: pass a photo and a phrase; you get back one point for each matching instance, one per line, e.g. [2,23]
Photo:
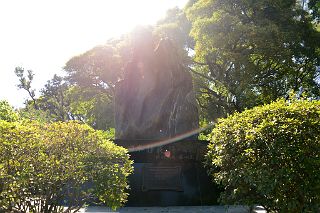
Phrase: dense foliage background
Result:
[241,54]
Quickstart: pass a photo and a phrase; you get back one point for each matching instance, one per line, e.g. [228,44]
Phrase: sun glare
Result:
[44,35]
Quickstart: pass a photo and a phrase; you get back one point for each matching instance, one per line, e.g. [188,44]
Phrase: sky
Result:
[42,35]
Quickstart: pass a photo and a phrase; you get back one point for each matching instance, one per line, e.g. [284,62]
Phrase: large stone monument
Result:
[155,100]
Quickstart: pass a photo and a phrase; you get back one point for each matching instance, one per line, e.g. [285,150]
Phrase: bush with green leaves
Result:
[269,155]
[7,112]
[44,167]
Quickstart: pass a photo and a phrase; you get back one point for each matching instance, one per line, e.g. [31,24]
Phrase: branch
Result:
[200,63]
[200,74]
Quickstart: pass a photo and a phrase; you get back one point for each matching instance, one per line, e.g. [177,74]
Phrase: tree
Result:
[53,103]
[25,83]
[93,107]
[59,100]
[97,68]
[252,52]
[176,27]
[93,76]
[55,99]
[269,155]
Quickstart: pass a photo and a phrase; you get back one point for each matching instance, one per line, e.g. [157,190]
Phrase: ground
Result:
[175,209]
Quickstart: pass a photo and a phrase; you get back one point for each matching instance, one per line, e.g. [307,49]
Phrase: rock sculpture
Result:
[155,100]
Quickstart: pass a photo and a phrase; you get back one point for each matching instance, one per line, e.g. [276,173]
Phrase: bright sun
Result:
[43,35]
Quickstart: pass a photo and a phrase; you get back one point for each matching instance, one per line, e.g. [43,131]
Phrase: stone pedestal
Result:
[171,175]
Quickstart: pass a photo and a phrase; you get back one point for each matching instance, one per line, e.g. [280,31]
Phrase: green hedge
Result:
[43,166]
[269,155]
[7,112]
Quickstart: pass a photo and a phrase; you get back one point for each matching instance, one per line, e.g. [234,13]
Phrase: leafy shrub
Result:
[269,155]
[43,166]
[7,113]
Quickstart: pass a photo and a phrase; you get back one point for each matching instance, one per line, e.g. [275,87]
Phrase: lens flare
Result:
[168,141]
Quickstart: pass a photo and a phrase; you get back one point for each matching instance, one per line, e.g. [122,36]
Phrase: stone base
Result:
[171,175]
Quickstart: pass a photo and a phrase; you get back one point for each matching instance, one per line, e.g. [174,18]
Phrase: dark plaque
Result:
[162,178]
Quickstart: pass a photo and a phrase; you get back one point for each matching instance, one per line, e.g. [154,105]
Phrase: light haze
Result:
[43,35]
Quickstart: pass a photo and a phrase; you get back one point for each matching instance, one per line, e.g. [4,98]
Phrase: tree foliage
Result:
[314,9]
[7,112]
[252,52]
[176,27]
[269,155]
[92,77]
[25,81]
[55,99]
[46,166]
[97,68]
[60,100]
[241,54]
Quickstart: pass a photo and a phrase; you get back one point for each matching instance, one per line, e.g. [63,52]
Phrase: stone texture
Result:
[155,100]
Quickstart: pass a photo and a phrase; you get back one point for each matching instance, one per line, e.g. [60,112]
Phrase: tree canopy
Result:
[241,54]
[254,51]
